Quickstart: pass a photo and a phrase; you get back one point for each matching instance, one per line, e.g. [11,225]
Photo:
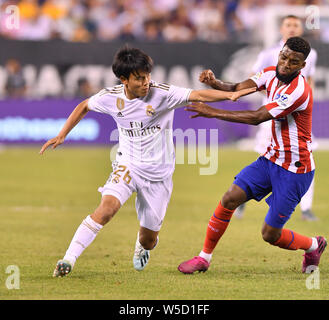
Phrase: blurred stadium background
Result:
[54,53]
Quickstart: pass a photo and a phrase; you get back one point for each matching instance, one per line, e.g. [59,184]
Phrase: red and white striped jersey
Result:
[291,107]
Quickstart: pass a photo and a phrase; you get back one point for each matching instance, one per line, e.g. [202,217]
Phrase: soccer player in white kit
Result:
[291,26]
[143,111]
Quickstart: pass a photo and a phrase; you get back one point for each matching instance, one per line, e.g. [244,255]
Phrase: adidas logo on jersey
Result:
[120,115]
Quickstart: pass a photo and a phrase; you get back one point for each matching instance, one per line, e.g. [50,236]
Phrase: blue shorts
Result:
[262,177]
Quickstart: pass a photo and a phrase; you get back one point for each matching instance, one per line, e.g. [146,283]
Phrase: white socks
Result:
[83,237]
[313,246]
[206,256]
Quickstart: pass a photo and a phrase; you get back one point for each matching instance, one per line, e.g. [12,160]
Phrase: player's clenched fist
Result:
[54,141]
[207,77]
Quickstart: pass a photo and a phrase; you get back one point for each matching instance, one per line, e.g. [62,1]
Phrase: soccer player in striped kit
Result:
[286,170]
[291,26]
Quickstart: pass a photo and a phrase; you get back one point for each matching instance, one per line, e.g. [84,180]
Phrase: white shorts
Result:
[152,196]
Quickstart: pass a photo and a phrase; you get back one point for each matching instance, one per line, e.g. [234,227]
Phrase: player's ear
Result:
[123,80]
[304,64]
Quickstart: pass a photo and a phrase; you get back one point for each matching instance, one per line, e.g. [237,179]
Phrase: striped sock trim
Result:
[292,239]
[92,225]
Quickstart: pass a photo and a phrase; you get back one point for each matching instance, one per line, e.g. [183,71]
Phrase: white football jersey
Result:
[145,126]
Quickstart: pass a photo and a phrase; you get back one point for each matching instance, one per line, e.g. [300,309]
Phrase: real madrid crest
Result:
[120,104]
[150,111]
[115,180]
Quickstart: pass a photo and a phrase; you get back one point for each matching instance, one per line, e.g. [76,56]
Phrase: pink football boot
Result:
[312,259]
[195,264]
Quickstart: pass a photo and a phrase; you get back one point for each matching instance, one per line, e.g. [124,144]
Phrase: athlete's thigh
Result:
[288,190]
[120,184]
[255,180]
[152,202]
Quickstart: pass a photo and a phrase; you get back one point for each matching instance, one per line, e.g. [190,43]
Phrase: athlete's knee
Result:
[106,210]
[270,235]
[233,198]
[270,238]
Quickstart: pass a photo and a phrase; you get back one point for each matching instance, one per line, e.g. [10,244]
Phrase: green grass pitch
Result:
[44,199]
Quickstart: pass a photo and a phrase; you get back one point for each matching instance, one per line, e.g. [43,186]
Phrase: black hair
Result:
[131,60]
[299,44]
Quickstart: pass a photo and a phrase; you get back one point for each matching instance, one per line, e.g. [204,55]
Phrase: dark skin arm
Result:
[207,77]
[252,117]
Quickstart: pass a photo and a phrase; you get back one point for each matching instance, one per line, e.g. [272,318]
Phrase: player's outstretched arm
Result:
[210,95]
[208,77]
[252,117]
[77,114]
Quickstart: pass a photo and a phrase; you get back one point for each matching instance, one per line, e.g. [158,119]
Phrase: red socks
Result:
[216,227]
[219,221]
[291,240]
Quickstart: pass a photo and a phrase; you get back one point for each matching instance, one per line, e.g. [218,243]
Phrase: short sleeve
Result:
[261,77]
[96,102]
[178,97]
